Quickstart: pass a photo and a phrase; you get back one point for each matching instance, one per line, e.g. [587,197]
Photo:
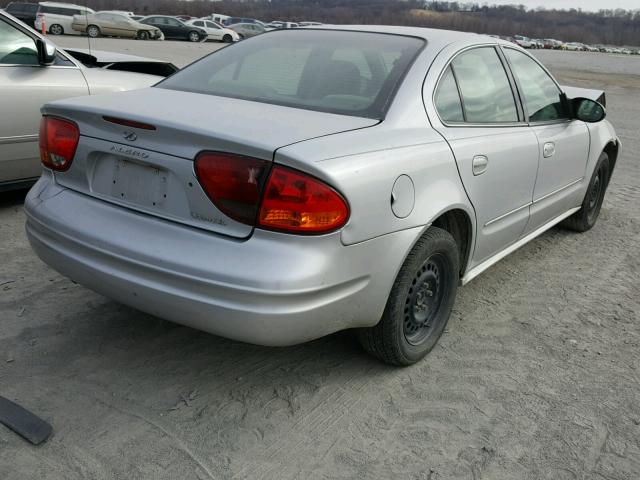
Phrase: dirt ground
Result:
[536,377]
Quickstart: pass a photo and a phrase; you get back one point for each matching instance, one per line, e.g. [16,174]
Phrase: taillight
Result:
[298,203]
[233,183]
[58,142]
[281,199]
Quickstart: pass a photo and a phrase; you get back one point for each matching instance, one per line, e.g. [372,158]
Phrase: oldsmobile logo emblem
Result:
[130,136]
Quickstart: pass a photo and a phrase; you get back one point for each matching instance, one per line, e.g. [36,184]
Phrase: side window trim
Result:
[520,90]
[455,80]
[522,118]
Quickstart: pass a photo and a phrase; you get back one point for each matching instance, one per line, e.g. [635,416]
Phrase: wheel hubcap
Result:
[424,299]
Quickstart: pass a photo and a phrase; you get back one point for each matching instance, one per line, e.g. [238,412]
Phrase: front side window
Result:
[447,98]
[329,71]
[486,93]
[541,94]
[16,48]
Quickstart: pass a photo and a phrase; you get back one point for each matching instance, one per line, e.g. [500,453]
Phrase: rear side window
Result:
[447,98]
[541,94]
[486,93]
[351,73]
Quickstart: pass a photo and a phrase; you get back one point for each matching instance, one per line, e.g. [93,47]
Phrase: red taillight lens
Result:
[297,203]
[233,183]
[58,142]
[291,201]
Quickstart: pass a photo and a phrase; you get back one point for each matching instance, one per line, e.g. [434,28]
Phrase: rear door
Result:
[25,86]
[563,144]
[496,152]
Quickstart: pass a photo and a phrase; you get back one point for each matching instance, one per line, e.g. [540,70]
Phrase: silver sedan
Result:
[359,176]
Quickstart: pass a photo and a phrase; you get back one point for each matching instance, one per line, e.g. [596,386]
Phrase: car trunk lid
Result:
[151,169]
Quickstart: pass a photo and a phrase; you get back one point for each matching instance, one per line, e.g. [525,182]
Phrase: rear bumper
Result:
[272,289]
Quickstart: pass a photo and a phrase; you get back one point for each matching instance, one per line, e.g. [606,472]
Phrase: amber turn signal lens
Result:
[298,203]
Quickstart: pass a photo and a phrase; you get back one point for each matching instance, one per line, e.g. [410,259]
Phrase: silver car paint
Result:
[25,88]
[272,289]
[181,133]
[282,289]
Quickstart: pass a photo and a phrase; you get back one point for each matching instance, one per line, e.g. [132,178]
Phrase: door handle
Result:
[479,164]
[549,149]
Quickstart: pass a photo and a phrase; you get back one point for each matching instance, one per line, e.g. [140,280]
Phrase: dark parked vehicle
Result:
[23,11]
[175,29]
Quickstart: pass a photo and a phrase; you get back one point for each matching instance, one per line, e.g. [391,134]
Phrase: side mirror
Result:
[46,52]
[587,110]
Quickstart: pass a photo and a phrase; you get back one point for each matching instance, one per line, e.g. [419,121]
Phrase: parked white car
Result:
[524,42]
[574,46]
[215,31]
[58,17]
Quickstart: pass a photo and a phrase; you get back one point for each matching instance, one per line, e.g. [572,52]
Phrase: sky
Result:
[592,5]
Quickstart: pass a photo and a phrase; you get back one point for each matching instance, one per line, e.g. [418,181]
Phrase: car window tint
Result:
[342,73]
[486,92]
[541,94]
[447,98]
[198,24]
[172,22]
[16,47]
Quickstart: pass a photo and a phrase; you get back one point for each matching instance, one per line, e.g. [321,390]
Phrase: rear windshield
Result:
[350,73]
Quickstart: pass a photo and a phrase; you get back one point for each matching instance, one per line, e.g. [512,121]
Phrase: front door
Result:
[563,144]
[496,152]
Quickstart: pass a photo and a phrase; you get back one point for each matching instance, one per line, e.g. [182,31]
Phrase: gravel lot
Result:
[537,376]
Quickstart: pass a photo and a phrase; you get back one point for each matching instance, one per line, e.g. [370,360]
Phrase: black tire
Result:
[56,29]
[585,218]
[227,38]
[93,31]
[143,35]
[193,36]
[420,302]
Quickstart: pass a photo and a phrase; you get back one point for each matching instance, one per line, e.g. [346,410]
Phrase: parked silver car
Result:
[32,72]
[360,174]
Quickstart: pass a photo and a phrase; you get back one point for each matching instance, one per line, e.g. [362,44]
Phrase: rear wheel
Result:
[93,31]
[56,29]
[194,37]
[143,35]
[227,38]
[420,302]
[585,218]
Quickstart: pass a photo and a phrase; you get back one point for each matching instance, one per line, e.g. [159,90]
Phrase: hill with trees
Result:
[612,27]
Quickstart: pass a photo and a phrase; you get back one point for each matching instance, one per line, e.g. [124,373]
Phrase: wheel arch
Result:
[611,149]
[458,223]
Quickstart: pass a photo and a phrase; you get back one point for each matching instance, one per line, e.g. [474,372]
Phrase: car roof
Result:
[58,4]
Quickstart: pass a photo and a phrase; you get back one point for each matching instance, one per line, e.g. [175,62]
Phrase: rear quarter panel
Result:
[364,165]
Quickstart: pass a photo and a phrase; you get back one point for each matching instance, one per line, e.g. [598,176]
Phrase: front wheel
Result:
[585,218]
[143,35]
[194,37]
[93,31]
[420,302]
[227,38]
